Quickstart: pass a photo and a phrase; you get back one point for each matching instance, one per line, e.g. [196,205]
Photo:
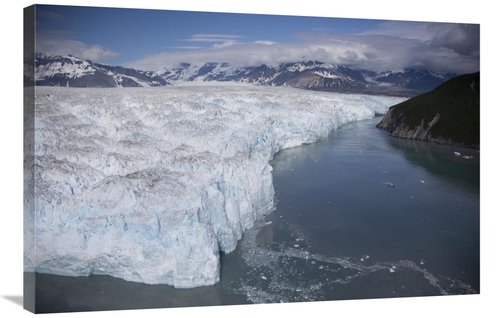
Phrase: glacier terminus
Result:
[151,184]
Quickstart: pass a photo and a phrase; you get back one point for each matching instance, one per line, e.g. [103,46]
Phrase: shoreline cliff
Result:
[448,115]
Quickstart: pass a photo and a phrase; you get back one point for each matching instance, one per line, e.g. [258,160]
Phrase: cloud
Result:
[216,36]
[443,47]
[402,29]
[189,47]
[216,40]
[49,14]
[460,38]
[224,44]
[265,42]
[60,43]
[349,56]
[97,53]
[243,54]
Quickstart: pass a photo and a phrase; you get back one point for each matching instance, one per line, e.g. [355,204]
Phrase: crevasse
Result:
[150,184]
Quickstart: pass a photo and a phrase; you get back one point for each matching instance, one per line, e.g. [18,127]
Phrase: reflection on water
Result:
[66,294]
[337,232]
[458,165]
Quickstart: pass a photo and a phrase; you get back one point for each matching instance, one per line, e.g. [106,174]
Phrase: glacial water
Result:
[359,215]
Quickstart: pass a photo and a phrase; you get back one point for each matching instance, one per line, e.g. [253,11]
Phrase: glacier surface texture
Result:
[151,184]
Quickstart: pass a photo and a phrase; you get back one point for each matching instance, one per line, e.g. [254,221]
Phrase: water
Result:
[363,215]
[360,215]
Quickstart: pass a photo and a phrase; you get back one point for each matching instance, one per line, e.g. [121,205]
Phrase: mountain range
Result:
[48,70]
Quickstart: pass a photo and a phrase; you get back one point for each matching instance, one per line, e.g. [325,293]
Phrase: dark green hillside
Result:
[453,106]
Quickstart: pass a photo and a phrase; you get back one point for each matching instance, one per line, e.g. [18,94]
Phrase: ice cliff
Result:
[151,184]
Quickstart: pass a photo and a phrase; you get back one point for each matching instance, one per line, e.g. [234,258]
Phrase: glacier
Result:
[151,184]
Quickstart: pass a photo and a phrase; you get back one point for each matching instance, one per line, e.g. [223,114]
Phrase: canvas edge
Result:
[29,279]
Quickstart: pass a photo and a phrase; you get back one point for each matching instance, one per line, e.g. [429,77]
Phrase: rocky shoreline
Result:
[421,132]
[448,115]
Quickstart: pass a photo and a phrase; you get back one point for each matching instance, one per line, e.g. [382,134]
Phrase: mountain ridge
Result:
[447,115]
[53,70]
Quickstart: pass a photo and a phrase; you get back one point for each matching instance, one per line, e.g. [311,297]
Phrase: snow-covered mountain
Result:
[74,72]
[71,71]
[413,79]
[311,74]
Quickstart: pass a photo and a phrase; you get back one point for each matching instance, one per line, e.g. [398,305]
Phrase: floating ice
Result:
[289,279]
[150,184]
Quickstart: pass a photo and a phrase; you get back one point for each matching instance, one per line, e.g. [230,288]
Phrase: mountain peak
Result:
[308,74]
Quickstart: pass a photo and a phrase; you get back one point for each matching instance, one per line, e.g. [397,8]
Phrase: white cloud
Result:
[214,38]
[392,45]
[199,39]
[216,41]
[403,29]
[60,43]
[188,47]
[217,36]
[97,53]
[49,14]
[224,44]
[265,42]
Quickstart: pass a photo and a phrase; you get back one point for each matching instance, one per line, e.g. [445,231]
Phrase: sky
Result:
[148,39]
